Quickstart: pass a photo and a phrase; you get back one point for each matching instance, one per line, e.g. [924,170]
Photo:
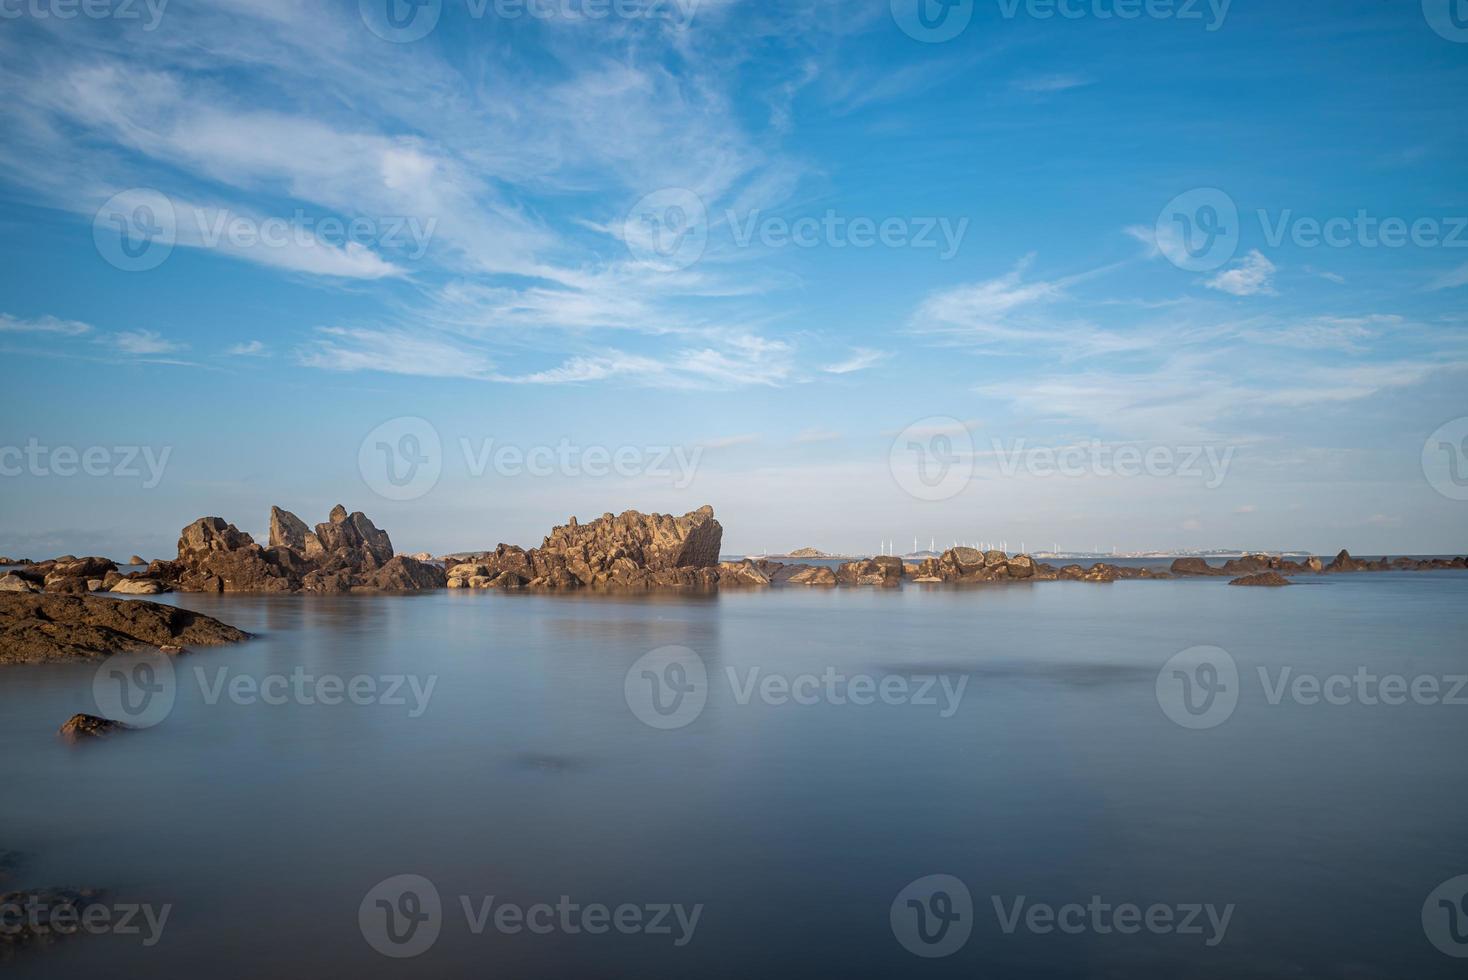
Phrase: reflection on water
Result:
[526,776]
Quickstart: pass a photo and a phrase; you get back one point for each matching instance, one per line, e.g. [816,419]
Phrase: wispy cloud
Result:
[43,324]
[1042,84]
[861,358]
[252,348]
[1451,279]
[1252,276]
[142,342]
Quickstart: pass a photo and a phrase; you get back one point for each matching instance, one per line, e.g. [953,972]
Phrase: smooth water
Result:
[795,826]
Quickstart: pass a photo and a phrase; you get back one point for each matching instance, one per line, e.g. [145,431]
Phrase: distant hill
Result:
[807,553]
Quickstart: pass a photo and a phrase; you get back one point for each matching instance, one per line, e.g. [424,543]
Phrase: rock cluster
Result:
[1266,580]
[36,628]
[1253,565]
[89,726]
[51,914]
[345,553]
[629,551]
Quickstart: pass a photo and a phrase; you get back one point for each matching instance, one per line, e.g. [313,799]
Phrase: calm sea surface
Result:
[530,774]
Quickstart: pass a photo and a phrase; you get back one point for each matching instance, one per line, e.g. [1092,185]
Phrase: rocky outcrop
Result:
[1343,562]
[137,560]
[137,586]
[346,553]
[89,726]
[884,572]
[50,916]
[1266,580]
[36,628]
[11,582]
[629,551]
[1194,567]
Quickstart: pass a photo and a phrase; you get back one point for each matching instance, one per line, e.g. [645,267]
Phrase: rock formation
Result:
[1268,580]
[35,628]
[89,726]
[346,553]
[629,551]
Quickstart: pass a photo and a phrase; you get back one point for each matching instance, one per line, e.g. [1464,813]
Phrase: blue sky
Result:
[572,231]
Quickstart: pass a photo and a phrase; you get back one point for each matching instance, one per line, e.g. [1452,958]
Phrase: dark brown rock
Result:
[1195,567]
[403,574]
[48,915]
[1267,580]
[90,726]
[1343,562]
[35,628]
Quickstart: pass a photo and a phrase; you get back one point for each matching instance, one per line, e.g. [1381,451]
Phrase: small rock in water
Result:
[1268,580]
[90,726]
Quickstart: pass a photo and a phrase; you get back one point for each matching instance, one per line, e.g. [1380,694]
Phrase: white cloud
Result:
[861,358]
[43,324]
[142,342]
[1252,276]
[1041,84]
[1451,279]
[253,348]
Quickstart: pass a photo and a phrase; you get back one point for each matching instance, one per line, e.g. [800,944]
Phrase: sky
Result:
[1077,273]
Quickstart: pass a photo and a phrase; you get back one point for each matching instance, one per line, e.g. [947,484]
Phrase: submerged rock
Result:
[36,628]
[90,726]
[1269,580]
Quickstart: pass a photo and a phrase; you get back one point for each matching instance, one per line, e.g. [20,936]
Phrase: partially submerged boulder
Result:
[90,726]
[37,628]
[1267,580]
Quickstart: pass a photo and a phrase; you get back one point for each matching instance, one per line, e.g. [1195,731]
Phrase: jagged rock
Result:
[1272,580]
[138,586]
[813,576]
[90,726]
[402,574]
[654,541]
[1195,567]
[11,582]
[1100,572]
[1343,562]
[883,572]
[741,573]
[1021,567]
[1314,564]
[36,628]
[995,557]
[288,531]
